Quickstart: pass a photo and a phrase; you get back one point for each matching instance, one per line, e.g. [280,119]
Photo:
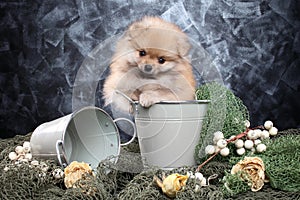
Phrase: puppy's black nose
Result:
[148,68]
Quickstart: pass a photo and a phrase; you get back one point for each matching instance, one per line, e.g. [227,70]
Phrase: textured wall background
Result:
[254,44]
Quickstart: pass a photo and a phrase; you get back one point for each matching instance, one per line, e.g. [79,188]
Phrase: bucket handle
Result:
[58,144]
[133,126]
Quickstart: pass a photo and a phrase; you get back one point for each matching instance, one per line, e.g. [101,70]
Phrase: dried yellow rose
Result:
[253,170]
[172,183]
[75,171]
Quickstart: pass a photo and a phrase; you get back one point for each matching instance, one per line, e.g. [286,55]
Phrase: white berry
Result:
[224,151]
[26,146]
[261,147]
[258,133]
[217,136]
[199,176]
[19,150]
[222,143]
[197,188]
[58,173]
[203,182]
[268,124]
[34,163]
[265,134]
[217,149]
[240,151]
[28,156]
[209,149]
[252,135]
[13,156]
[239,143]
[247,123]
[257,142]
[6,169]
[273,131]
[248,144]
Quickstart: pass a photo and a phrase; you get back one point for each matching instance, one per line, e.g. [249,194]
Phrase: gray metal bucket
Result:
[87,135]
[168,132]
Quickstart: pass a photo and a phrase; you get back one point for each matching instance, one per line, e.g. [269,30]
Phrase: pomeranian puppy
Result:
[150,65]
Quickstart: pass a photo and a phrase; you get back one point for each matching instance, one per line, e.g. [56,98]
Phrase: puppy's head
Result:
[155,45]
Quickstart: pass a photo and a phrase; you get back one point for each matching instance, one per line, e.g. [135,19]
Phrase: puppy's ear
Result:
[135,30]
[183,46]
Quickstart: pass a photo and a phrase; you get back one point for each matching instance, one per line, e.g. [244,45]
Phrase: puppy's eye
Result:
[142,53]
[161,60]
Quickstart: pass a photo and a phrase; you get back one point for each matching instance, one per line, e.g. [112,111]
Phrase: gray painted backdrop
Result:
[254,46]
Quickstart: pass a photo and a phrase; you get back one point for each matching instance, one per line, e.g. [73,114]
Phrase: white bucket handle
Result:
[59,143]
[134,130]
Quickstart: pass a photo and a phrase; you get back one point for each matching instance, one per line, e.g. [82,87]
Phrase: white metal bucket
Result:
[168,132]
[87,135]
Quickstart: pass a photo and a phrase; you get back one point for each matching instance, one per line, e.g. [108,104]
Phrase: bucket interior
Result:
[90,137]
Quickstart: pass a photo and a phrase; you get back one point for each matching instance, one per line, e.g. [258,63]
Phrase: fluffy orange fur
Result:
[150,65]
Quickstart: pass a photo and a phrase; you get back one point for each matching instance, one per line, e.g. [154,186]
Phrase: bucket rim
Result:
[185,102]
[206,101]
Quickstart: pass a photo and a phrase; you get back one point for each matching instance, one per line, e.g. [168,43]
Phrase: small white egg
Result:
[222,143]
[273,131]
[13,156]
[265,134]
[248,144]
[268,124]
[19,150]
[261,147]
[199,176]
[239,143]
[224,151]
[240,151]
[209,149]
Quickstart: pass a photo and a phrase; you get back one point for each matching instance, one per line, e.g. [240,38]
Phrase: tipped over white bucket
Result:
[88,135]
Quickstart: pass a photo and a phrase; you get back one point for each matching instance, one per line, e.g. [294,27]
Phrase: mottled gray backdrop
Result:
[255,46]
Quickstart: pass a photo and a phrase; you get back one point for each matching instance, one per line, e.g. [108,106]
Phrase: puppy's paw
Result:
[146,100]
